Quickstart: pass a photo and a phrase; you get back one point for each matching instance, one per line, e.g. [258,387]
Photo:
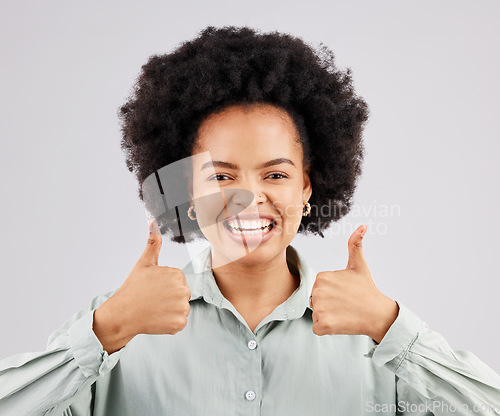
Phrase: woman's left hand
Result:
[348,302]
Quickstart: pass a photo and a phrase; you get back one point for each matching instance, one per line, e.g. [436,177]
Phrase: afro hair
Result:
[231,65]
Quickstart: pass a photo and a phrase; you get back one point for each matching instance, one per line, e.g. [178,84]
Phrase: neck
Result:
[257,285]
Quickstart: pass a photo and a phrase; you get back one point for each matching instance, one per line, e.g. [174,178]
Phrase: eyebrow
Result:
[220,163]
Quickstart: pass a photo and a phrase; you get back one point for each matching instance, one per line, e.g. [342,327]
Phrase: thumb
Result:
[355,244]
[152,251]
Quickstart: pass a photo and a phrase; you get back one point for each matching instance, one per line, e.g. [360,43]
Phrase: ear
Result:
[307,189]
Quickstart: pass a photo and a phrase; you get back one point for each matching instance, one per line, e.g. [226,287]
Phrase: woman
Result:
[257,133]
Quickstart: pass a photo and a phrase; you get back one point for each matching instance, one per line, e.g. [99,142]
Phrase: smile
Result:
[249,227]
[250,232]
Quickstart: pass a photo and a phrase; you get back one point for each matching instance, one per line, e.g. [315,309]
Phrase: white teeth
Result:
[250,227]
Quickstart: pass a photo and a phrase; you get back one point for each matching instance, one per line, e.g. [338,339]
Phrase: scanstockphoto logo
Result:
[435,406]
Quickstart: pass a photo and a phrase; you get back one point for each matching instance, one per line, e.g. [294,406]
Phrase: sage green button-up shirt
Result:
[216,366]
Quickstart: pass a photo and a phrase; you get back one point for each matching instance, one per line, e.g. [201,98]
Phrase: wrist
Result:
[111,331]
[388,314]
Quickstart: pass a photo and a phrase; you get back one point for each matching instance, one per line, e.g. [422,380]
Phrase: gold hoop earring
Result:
[190,210]
[308,209]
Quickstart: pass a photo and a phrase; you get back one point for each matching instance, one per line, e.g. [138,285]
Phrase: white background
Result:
[72,225]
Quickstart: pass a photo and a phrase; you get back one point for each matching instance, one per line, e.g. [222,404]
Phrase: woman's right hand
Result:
[152,300]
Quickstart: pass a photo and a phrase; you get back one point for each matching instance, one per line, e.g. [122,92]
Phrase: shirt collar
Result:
[202,284]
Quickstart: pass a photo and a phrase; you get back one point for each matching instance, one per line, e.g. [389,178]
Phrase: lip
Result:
[249,239]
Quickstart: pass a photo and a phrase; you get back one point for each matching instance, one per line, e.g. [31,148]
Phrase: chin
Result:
[230,252]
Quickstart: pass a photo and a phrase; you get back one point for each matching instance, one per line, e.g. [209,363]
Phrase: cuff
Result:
[88,350]
[398,340]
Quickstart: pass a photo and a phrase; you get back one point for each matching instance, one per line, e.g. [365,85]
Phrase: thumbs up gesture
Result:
[348,302]
[152,300]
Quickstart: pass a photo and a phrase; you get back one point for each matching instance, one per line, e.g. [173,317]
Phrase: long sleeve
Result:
[48,382]
[446,381]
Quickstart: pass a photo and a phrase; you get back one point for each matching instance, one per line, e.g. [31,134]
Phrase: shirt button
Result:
[250,395]
[252,344]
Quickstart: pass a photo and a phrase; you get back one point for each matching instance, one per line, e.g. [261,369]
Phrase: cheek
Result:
[290,211]
[208,204]
[288,202]
[291,216]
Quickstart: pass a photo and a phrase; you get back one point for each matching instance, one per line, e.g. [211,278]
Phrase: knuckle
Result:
[320,275]
[330,324]
[317,329]
[317,296]
[172,271]
[180,275]
[175,274]
[181,322]
[323,276]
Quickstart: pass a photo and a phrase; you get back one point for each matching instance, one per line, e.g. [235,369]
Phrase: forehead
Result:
[247,129]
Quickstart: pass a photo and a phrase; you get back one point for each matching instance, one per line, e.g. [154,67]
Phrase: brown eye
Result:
[216,176]
[279,174]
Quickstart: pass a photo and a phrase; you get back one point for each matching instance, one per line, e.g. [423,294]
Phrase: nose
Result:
[245,196]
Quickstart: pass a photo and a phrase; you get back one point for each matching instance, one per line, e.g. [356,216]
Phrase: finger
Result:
[150,254]
[355,245]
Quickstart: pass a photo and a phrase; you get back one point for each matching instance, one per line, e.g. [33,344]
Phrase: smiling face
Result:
[252,166]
